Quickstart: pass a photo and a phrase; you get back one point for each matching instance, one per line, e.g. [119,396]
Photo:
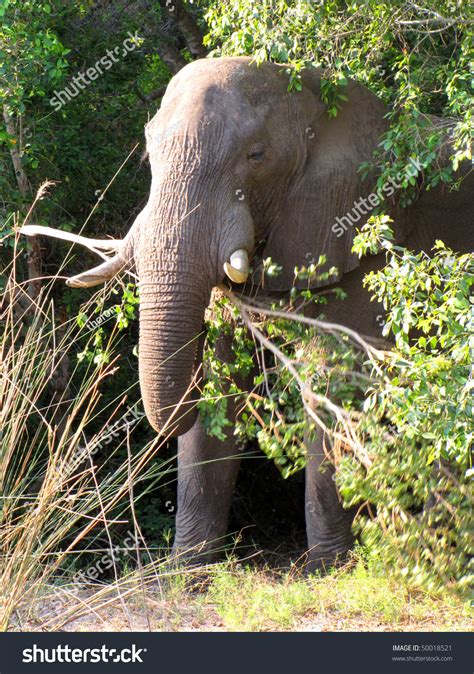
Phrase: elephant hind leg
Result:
[328,524]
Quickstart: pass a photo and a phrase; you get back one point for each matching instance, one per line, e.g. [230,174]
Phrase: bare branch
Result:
[153,95]
[324,326]
[447,23]
[311,400]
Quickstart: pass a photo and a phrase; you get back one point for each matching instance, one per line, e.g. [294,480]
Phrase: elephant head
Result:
[239,165]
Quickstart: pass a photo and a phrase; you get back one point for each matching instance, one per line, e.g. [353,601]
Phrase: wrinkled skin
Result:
[236,161]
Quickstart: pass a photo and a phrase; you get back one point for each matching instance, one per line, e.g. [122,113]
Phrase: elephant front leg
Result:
[207,472]
[328,524]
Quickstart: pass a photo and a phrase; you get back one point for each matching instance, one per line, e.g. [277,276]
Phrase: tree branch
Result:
[169,53]
[311,400]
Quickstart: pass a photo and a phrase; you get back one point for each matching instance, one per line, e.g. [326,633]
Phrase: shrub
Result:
[401,420]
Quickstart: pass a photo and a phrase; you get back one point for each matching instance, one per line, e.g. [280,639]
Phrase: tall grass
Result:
[52,499]
[59,500]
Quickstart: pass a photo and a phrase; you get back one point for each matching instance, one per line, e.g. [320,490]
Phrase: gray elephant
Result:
[243,170]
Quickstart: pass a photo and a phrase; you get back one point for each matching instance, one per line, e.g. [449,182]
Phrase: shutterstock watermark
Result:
[131,417]
[365,205]
[66,654]
[106,562]
[104,316]
[84,79]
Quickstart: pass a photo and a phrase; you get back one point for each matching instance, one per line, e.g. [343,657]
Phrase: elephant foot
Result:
[198,554]
[323,556]
[190,559]
[323,564]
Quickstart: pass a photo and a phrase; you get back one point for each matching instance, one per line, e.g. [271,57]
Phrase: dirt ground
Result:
[193,613]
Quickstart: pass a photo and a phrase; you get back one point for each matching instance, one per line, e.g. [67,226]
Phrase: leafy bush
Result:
[419,476]
[294,358]
[401,420]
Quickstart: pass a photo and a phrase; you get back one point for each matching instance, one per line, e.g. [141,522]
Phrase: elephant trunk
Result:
[180,253]
[172,306]
[175,289]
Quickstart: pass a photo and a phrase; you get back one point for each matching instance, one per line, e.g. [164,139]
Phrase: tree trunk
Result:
[187,25]
[33,245]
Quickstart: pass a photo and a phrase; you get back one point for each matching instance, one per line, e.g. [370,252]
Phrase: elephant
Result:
[242,170]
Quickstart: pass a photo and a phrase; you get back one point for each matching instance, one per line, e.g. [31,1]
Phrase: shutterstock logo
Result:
[64,653]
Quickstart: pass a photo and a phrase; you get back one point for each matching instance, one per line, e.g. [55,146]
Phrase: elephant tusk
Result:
[95,245]
[237,269]
[104,272]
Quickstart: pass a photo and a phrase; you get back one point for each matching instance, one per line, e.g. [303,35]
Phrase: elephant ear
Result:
[327,187]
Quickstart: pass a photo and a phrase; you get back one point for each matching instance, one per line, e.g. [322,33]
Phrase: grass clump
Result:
[363,595]
[66,489]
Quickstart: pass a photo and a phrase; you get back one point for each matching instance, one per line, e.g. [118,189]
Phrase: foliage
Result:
[32,55]
[83,145]
[270,402]
[124,313]
[419,478]
[414,56]
[32,60]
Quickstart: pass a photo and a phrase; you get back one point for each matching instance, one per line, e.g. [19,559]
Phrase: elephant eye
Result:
[256,155]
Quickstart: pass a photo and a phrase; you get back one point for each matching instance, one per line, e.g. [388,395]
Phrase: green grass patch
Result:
[251,600]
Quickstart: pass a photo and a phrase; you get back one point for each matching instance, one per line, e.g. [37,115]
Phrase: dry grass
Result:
[51,501]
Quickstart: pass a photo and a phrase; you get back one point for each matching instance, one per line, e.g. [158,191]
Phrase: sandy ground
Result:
[194,614]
